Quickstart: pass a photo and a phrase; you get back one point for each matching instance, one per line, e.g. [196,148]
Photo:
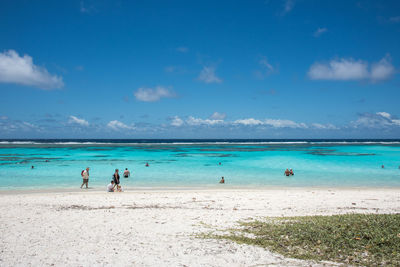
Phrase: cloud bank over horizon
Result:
[239,128]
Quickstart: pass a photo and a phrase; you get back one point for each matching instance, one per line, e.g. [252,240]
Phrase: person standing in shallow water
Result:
[222,180]
[127,173]
[116,178]
[85,177]
[287,172]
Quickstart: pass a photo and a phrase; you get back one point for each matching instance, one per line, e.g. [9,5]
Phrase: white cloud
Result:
[271,122]
[75,120]
[208,75]
[284,124]
[176,121]
[249,121]
[378,120]
[384,114]
[396,122]
[389,117]
[152,95]
[218,116]
[266,68]
[29,125]
[117,125]
[7,125]
[328,126]
[218,119]
[349,69]
[182,49]
[343,69]
[197,121]
[320,31]
[21,70]
[382,70]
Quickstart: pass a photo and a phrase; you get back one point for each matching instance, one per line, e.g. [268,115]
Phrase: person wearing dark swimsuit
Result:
[126,173]
[116,178]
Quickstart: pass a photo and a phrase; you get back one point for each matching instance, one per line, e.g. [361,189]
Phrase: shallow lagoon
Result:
[196,164]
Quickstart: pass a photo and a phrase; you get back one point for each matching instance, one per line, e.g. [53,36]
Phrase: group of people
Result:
[289,172]
[114,185]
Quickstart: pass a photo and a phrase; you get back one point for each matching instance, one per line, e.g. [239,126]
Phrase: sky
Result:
[200,69]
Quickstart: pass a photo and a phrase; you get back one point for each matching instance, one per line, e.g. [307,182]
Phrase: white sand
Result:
[157,228]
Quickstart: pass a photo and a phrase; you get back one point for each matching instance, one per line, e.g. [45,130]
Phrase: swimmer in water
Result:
[287,172]
[147,164]
[291,172]
[383,166]
[222,180]
[127,173]
[32,167]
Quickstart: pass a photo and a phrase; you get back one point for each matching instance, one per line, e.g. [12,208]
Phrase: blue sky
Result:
[199,69]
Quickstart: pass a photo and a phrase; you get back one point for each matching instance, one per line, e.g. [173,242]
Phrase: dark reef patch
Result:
[26,159]
[346,154]
[217,155]
[99,149]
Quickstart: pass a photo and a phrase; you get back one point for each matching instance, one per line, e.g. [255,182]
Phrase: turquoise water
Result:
[193,165]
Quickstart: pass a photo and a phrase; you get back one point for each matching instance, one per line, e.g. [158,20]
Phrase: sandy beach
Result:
[159,227]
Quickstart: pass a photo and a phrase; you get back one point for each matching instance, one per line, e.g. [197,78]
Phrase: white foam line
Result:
[199,143]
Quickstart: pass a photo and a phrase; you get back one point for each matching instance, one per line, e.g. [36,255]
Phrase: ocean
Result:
[199,163]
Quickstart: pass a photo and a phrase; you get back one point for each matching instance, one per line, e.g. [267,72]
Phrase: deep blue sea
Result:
[195,163]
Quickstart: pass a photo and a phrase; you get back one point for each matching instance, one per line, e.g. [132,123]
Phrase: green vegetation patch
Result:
[359,239]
